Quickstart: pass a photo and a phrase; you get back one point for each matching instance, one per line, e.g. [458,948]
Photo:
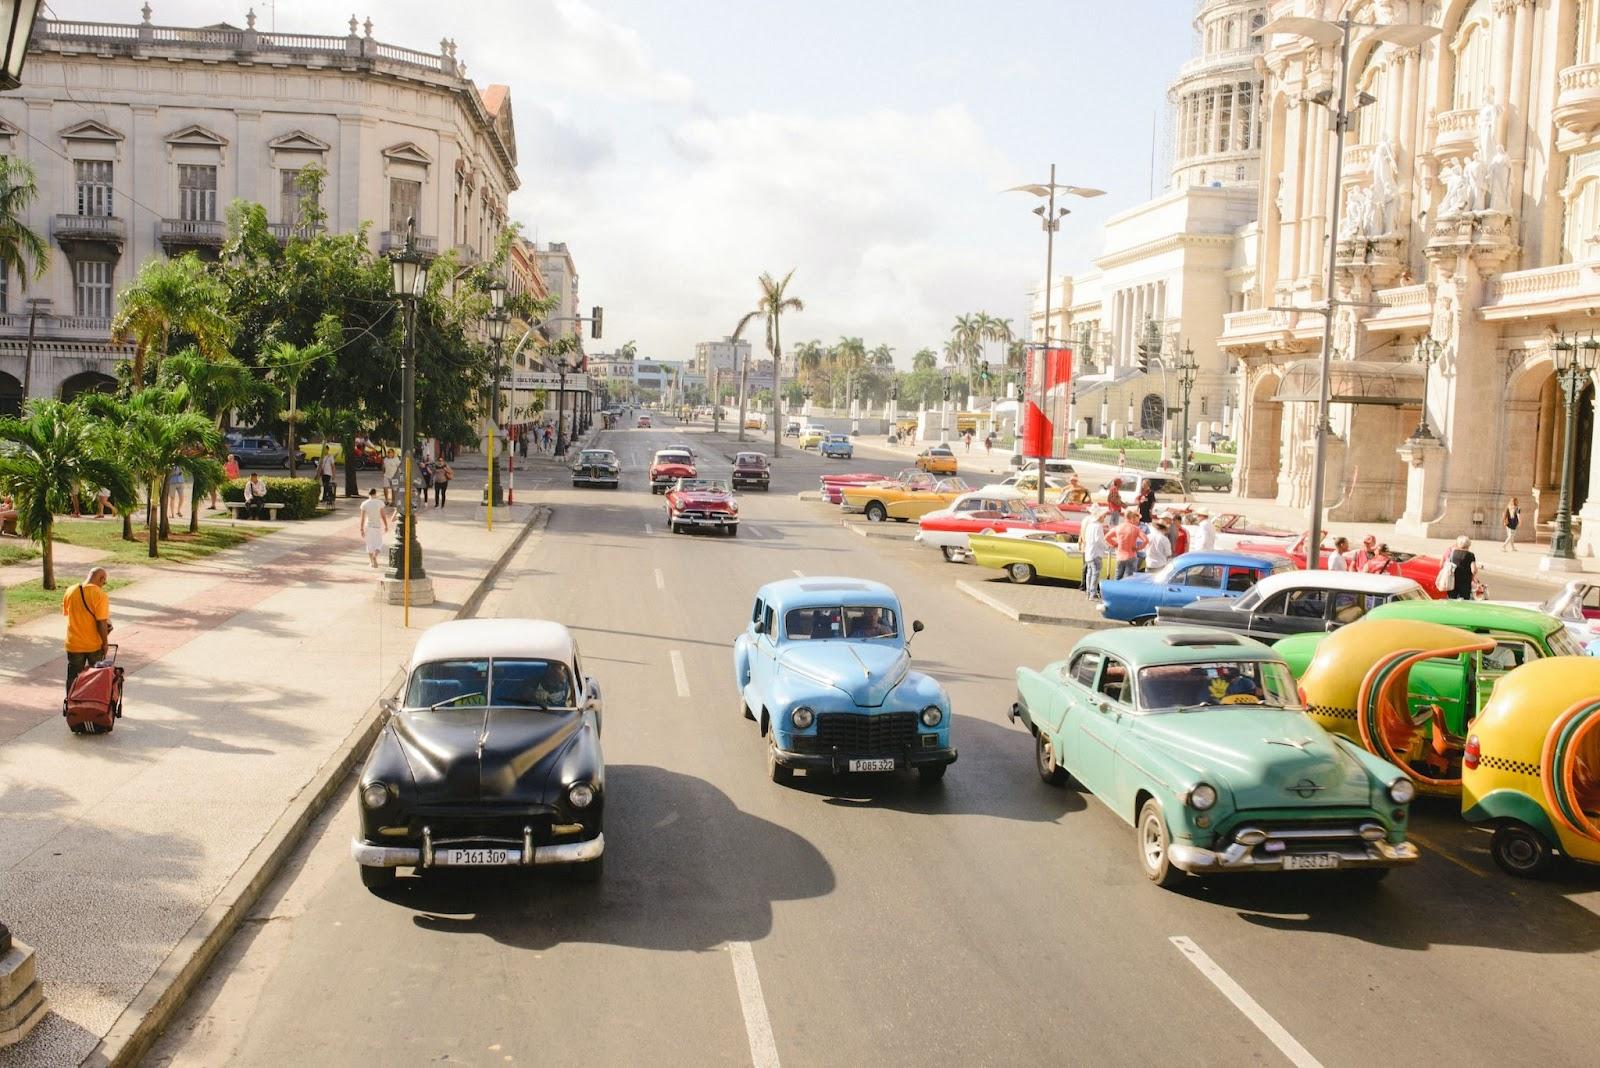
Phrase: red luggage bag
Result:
[95,703]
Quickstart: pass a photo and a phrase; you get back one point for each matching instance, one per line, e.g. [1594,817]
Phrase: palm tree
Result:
[628,350]
[925,360]
[288,364]
[115,415]
[882,357]
[23,252]
[167,297]
[852,357]
[952,352]
[52,451]
[774,301]
[169,435]
[998,330]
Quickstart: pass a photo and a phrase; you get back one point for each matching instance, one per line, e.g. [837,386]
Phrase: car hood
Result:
[865,671]
[702,500]
[478,754]
[1266,757]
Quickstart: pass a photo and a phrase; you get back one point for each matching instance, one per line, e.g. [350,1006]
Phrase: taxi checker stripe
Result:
[1518,767]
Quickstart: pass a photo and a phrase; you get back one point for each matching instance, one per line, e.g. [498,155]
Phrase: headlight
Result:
[932,716]
[375,794]
[1401,791]
[581,795]
[802,717]
[1202,797]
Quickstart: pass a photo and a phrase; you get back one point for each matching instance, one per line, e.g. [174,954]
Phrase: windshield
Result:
[750,459]
[503,682]
[672,458]
[596,457]
[1562,644]
[848,621]
[1045,513]
[702,485]
[1221,682]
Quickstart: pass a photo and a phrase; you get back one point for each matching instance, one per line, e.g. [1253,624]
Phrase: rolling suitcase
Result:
[95,703]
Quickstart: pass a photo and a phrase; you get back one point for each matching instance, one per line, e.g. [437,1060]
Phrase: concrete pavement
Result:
[247,673]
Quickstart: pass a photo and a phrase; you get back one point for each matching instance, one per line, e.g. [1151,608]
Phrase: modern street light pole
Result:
[1187,371]
[409,281]
[1575,362]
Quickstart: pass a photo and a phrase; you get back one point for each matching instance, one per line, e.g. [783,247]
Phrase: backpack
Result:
[1445,580]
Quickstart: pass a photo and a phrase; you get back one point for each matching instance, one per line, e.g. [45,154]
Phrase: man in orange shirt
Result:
[88,611]
[1126,539]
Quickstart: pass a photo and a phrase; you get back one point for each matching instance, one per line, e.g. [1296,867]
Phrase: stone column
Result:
[1519,110]
[22,1001]
[1588,516]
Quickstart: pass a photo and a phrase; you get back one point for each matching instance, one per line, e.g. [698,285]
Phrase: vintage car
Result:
[811,436]
[833,485]
[937,460]
[902,502]
[791,429]
[1058,468]
[258,451]
[824,666]
[704,504]
[1422,570]
[644,422]
[597,467]
[1198,739]
[668,466]
[1577,605]
[1532,766]
[751,469]
[1187,578]
[490,756]
[1293,602]
[1028,555]
[988,511]
[837,447]
[1234,530]
[1211,476]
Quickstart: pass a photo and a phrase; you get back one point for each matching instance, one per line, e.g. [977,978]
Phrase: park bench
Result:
[238,507]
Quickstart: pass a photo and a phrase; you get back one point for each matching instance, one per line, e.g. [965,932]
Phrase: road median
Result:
[1036,604]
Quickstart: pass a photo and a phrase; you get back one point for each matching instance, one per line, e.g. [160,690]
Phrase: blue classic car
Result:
[824,667]
[1187,578]
[838,446]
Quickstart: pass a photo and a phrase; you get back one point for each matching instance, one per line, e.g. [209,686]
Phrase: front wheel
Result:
[1045,758]
[876,512]
[775,771]
[1021,573]
[1521,851]
[733,532]
[1194,487]
[1143,621]
[374,878]
[1152,840]
[952,555]
[931,774]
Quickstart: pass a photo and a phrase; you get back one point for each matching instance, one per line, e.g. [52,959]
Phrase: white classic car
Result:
[1577,605]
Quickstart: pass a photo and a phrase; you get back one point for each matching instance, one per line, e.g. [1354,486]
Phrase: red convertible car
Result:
[702,502]
[668,466]
[991,511]
[833,486]
[1420,569]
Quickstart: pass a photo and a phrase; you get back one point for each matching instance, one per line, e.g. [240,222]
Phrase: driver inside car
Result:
[871,624]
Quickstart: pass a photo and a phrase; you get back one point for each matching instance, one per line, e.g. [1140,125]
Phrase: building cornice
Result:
[1160,246]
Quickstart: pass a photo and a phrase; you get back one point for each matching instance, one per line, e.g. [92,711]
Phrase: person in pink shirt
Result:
[1126,539]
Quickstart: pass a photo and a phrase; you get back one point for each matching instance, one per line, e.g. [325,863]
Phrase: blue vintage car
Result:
[1187,578]
[838,446]
[824,667]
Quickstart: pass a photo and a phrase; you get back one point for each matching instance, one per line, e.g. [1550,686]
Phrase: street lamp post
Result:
[894,407]
[1187,371]
[1338,35]
[409,281]
[944,413]
[16,22]
[495,324]
[1575,361]
[1426,353]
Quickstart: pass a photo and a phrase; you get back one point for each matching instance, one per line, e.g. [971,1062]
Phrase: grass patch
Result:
[16,550]
[29,601]
[181,547]
[1153,456]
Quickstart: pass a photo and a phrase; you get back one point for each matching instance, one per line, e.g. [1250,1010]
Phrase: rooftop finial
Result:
[250,19]
[354,25]
[146,12]
[368,27]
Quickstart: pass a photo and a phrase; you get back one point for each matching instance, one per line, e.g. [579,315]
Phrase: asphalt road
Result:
[992,919]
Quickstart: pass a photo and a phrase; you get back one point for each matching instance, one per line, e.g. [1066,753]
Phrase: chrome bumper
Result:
[703,521]
[379,856]
[1238,857]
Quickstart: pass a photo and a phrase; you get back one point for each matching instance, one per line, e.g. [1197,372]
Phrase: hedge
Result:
[299,496]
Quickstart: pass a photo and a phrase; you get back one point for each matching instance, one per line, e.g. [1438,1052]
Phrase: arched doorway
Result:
[10,395]
[1263,444]
[1537,420]
[1152,413]
[87,382]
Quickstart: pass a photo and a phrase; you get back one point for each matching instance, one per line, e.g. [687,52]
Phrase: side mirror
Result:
[390,705]
[916,626]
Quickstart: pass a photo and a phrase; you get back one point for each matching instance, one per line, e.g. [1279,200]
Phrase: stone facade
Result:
[142,135]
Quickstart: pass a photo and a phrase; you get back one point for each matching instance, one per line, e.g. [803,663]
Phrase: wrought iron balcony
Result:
[92,229]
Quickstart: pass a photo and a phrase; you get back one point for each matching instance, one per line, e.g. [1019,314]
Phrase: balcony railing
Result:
[106,229]
[1541,282]
[285,231]
[1455,132]
[202,233]
[1577,107]
[1241,58]
[393,241]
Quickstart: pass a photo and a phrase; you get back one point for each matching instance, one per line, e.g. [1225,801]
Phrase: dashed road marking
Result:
[1287,1045]
[754,532]
[648,529]
[679,675]
[757,1025]
[661,580]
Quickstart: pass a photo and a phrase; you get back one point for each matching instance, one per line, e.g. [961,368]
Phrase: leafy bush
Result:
[299,496]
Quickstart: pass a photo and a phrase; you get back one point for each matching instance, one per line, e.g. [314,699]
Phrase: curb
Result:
[814,496]
[977,593]
[879,531]
[163,994]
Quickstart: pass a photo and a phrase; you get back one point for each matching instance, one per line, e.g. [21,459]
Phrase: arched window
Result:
[1370,119]
[1256,22]
[1473,49]
[1583,216]
[1151,413]
[1588,37]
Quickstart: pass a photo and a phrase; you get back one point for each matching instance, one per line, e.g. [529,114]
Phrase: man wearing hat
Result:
[1159,552]
[1206,531]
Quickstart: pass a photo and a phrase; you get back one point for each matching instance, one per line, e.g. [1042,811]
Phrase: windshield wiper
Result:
[453,700]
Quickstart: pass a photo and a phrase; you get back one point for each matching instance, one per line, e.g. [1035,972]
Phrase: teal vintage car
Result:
[1198,739]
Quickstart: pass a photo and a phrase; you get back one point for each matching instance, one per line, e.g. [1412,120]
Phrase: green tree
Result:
[775,299]
[50,453]
[628,350]
[850,359]
[24,254]
[213,388]
[119,442]
[925,360]
[170,297]
[169,434]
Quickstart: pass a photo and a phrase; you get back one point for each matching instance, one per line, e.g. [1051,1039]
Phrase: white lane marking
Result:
[754,532]
[799,574]
[648,529]
[679,675]
[757,1026]
[661,581]
[1298,1055]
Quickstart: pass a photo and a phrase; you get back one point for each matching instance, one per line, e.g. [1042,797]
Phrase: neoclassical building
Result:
[141,134]
[1470,246]
[1174,266]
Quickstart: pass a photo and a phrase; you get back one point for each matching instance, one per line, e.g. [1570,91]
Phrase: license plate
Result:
[1311,862]
[467,858]
[878,764]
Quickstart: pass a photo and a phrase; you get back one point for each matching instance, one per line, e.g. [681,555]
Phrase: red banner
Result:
[1047,394]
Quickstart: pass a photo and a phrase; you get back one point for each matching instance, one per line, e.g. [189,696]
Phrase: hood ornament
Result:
[1302,744]
[1305,789]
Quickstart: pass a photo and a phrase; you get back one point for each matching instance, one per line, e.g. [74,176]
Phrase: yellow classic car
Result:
[311,451]
[1025,557]
[902,502]
[937,460]
[811,436]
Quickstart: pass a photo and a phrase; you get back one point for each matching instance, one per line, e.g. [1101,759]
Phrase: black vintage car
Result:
[751,469]
[490,758]
[1295,602]
[597,467]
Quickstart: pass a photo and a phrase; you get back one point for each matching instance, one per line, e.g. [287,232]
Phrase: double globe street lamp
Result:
[408,284]
[495,324]
[1575,362]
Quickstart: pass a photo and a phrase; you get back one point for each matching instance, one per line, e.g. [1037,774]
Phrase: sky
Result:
[683,147]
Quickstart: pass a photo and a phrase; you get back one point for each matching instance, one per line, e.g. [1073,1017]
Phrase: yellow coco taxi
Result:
[938,460]
[1359,684]
[1532,765]
[901,502]
[1025,557]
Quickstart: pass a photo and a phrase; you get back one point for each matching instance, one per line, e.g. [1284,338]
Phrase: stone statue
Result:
[1357,219]
[1488,129]
[1383,191]
[1277,195]
[1443,327]
[1476,171]
[1343,332]
[1457,198]
[1500,181]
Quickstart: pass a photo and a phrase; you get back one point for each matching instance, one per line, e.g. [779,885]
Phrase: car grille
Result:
[849,732]
[450,821]
[703,513]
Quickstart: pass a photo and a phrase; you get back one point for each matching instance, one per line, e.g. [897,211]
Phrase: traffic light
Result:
[598,314]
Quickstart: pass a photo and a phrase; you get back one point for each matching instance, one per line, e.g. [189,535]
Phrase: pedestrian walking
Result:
[425,472]
[967,438]
[1339,559]
[1092,540]
[442,475]
[88,610]
[988,443]
[391,477]
[174,493]
[1158,548]
[1512,518]
[549,438]
[325,468]
[1146,501]
[1127,540]
[1459,572]
[374,525]
[1122,458]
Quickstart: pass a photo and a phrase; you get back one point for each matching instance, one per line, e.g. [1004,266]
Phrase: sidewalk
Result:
[249,673]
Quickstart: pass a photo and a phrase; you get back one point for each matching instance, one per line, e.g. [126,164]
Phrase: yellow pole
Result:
[489,489]
[405,555]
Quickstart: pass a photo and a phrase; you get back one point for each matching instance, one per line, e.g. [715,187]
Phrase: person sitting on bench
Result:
[8,516]
[255,496]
